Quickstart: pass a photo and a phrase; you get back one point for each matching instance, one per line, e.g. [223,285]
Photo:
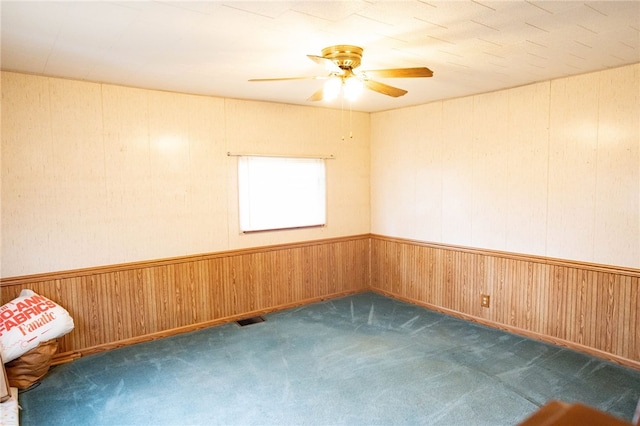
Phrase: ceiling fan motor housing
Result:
[347,57]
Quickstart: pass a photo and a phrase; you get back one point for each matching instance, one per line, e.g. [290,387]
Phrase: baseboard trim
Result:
[515,330]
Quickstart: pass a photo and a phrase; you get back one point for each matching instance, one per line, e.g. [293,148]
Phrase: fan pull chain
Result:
[350,123]
[342,119]
[342,116]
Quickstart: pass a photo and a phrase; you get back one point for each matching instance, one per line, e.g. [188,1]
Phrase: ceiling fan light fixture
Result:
[342,61]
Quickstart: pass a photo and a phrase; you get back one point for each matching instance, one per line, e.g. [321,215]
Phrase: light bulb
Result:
[331,89]
[352,88]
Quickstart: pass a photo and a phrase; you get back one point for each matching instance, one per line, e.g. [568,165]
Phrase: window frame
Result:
[256,188]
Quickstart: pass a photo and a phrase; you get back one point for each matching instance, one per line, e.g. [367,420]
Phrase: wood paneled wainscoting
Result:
[591,308]
[118,305]
[587,307]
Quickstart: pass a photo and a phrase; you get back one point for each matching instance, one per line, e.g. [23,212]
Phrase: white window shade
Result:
[281,192]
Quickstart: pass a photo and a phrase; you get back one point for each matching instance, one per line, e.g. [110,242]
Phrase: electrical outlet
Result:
[484,300]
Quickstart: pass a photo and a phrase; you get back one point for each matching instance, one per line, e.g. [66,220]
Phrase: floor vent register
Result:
[250,321]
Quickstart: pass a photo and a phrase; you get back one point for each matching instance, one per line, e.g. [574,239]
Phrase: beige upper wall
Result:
[549,169]
[96,174]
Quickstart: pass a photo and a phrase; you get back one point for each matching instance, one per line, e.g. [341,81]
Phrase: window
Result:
[281,192]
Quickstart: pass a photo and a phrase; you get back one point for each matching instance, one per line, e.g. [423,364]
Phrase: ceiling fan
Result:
[342,62]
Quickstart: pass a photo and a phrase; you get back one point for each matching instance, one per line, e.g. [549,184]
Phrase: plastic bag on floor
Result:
[27,321]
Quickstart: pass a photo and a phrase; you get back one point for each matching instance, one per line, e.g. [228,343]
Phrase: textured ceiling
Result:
[213,48]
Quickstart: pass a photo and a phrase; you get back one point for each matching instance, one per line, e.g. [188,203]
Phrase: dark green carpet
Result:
[359,360]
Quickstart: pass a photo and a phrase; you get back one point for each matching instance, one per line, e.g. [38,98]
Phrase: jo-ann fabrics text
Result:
[28,314]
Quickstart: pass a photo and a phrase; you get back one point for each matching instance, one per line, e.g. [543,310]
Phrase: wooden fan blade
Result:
[385,89]
[317,96]
[399,73]
[316,77]
[327,63]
